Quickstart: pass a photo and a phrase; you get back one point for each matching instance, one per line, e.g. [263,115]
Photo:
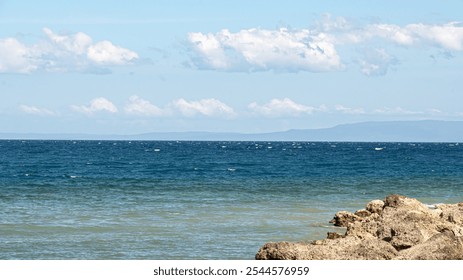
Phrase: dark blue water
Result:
[200,200]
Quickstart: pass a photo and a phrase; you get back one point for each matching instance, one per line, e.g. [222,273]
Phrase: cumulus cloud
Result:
[139,106]
[106,53]
[77,43]
[283,107]
[448,36]
[61,52]
[316,50]
[15,57]
[389,32]
[206,107]
[100,104]
[37,111]
[260,50]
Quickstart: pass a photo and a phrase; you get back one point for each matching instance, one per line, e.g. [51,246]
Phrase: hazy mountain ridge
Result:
[390,131]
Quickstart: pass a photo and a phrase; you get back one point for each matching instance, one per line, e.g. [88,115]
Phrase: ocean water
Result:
[200,200]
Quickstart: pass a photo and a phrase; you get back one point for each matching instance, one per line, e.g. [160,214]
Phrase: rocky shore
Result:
[398,228]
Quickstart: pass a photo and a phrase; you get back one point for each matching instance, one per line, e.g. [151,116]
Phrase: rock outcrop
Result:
[397,228]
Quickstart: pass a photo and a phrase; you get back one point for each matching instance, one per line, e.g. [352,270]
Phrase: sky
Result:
[130,67]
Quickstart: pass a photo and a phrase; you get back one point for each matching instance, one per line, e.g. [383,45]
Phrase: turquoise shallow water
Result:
[200,200]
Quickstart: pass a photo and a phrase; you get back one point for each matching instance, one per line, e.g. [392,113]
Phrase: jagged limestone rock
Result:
[375,206]
[397,228]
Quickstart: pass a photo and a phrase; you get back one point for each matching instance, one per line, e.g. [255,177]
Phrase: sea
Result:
[189,200]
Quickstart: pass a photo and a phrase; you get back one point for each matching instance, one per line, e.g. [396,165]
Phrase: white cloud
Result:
[63,53]
[260,50]
[108,54]
[448,36]
[285,50]
[210,51]
[348,110]
[100,104]
[390,32]
[283,107]
[77,43]
[395,111]
[139,106]
[376,62]
[434,111]
[37,111]
[16,57]
[206,107]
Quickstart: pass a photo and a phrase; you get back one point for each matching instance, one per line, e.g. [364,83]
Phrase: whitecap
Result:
[378,149]
[157,150]
[231,169]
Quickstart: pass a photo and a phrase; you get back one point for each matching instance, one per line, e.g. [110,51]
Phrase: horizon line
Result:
[348,132]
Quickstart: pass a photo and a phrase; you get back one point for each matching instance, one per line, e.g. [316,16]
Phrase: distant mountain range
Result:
[391,131]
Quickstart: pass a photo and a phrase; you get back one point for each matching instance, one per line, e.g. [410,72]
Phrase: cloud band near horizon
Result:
[214,108]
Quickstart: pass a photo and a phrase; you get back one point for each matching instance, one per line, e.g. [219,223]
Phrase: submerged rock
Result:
[397,228]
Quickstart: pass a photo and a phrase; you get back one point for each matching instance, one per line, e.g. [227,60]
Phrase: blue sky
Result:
[127,67]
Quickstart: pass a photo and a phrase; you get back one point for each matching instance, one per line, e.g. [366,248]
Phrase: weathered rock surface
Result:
[397,228]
